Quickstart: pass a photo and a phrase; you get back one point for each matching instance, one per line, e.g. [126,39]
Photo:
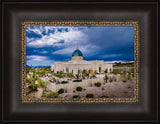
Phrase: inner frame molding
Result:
[27,100]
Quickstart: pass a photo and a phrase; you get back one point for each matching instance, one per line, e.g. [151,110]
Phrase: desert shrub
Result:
[44,95]
[110,80]
[79,88]
[33,86]
[117,71]
[28,80]
[75,96]
[64,82]
[128,87]
[104,97]
[60,91]
[70,75]
[89,96]
[103,88]
[124,81]
[77,80]
[98,84]
[106,78]
[131,70]
[106,71]
[124,77]
[52,95]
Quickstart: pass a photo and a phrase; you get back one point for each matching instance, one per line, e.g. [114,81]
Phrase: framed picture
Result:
[95,80]
[66,61]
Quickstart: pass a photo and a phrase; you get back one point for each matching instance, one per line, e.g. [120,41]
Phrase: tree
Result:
[106,78]
[77,76]
[84,72]
[95,72]
[32,81]
[28,69]
[43,84]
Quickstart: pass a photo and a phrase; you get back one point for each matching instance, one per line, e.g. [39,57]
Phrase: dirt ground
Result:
[107,90]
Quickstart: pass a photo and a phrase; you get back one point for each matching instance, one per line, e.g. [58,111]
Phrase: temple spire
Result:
[77,46]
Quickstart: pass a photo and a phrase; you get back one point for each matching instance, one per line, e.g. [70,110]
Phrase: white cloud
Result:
[40,51]
[112,62]
[56,38]
[110,55]
[44,52]
[36,58]
[37,30]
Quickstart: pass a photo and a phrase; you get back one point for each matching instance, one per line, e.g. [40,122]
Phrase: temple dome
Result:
[77,52]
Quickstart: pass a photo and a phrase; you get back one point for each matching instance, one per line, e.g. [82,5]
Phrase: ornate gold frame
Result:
[135,99]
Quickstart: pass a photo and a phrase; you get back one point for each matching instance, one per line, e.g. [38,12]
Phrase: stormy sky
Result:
[47,44]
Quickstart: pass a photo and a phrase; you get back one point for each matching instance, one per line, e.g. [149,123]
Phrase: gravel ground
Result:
[110,90]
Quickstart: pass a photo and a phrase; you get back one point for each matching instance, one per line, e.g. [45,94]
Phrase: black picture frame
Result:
[15,12]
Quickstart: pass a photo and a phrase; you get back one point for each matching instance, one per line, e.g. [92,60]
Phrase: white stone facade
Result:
[78,64]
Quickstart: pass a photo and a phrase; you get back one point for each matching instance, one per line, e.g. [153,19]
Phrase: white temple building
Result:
[78,64]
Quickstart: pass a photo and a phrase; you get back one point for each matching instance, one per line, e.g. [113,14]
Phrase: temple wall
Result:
[73,85]
[73,66]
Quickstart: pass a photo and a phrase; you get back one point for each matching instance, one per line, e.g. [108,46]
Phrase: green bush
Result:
[75,96]
[52,95]
[89,96]
[61,91]
[79,88]
[98,84]
[64,82]
[57,75]
[77,80]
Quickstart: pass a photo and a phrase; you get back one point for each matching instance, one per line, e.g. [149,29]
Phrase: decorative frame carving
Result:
[27,100]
